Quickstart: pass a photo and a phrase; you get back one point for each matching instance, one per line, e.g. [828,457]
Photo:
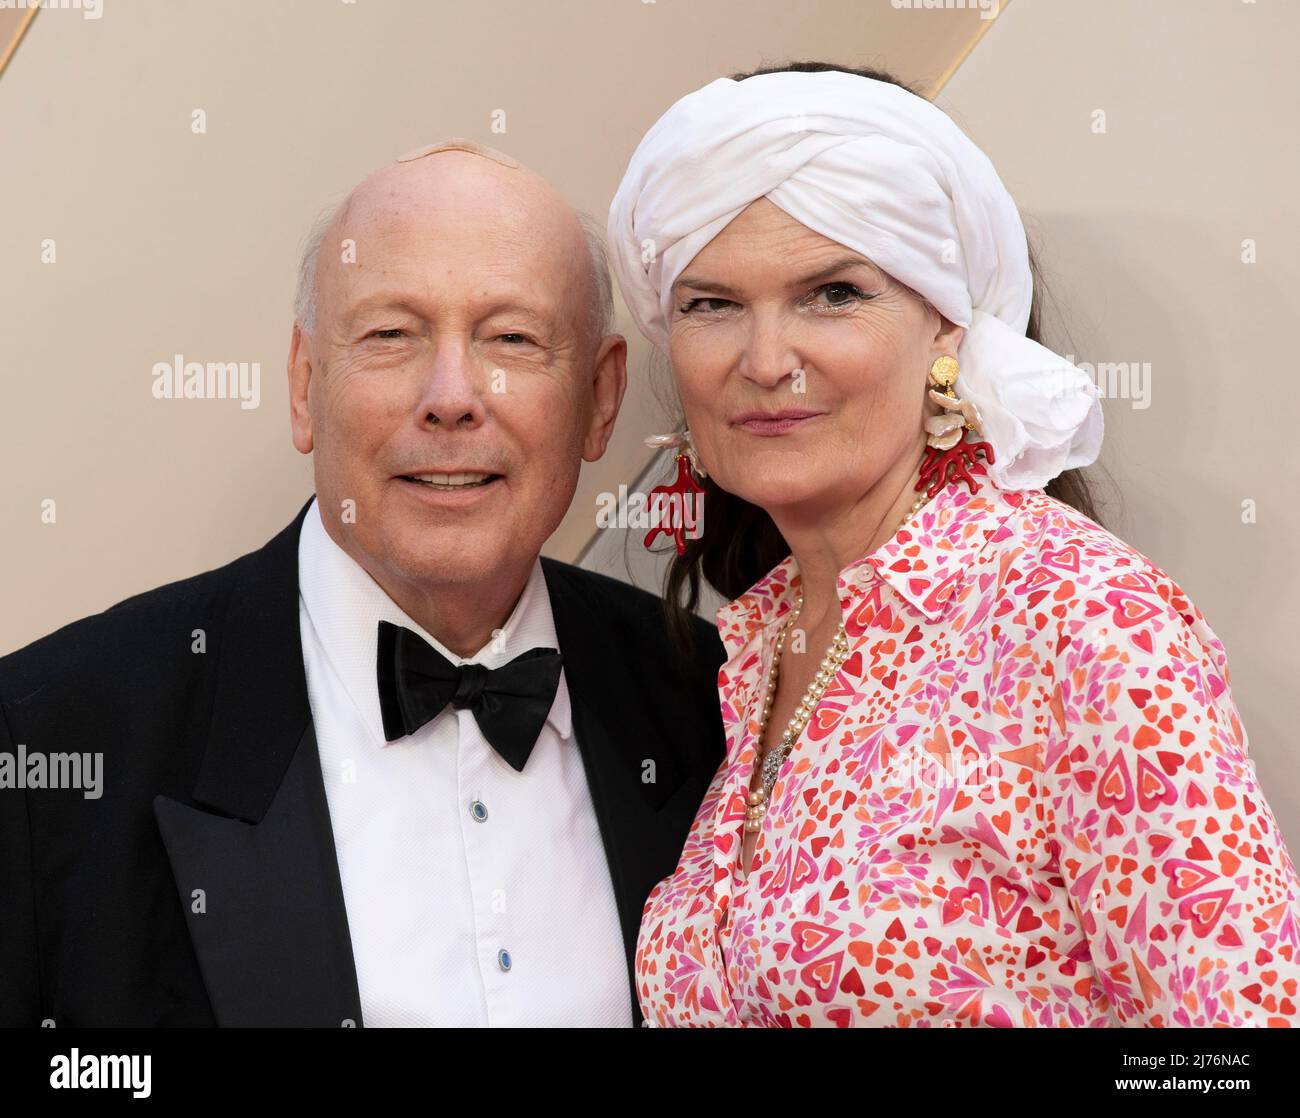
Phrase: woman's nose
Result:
[768,356]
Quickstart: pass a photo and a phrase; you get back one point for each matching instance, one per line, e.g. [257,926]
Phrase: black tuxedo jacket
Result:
[211,781]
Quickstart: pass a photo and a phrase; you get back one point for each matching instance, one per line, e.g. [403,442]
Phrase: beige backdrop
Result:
[1148,145]
[1146,229]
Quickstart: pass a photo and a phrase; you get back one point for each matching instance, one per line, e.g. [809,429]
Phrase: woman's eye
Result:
[692,305]
[514,338]
[839,294]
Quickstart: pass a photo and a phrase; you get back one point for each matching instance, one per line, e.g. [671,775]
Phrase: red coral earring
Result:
[948,455]
[677,509]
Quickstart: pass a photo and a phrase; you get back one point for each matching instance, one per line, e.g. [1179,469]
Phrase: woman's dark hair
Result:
[740,543]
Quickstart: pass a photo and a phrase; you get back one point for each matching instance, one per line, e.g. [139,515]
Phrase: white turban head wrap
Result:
[887,174]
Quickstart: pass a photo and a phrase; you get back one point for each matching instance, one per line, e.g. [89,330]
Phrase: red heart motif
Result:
[1116,788]
[823,975]
[1153,787]
[1066,557]
[962,901]
[1185,878]
[810,939]
[1159,843]
[1028,922]
[1007,898]
[805,870]
[1132,580]
[1039,577]
[1204,911]
[1170,762]
[1228,937]
[1130,610]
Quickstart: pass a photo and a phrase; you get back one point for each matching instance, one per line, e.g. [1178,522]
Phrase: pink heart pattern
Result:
[1025,800]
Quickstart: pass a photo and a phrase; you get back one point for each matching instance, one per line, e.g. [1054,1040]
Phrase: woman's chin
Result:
[805,489]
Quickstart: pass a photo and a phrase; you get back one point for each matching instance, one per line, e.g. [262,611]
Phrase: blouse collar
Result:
[924,562]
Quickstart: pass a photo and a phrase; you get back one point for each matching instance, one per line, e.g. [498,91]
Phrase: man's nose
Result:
[768,355]
[452,395]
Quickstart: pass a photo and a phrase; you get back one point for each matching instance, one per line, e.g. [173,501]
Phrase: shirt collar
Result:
[923,563]
[345,606]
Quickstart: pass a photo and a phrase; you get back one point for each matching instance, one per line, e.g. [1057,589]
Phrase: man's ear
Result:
[300,370]
[609,382]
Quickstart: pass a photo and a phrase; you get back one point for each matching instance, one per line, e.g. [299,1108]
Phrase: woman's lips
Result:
[780,423]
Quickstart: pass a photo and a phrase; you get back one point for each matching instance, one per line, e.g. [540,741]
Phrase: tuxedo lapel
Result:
[254,856]
[644,804]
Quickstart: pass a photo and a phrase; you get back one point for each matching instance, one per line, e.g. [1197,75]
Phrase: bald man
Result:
[392,768]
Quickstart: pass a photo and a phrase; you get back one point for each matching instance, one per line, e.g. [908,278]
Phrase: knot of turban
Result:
[891,176]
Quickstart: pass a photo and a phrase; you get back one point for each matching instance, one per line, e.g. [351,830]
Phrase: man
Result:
[345,782]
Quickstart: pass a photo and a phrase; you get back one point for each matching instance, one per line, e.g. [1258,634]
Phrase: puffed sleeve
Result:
[1187,899]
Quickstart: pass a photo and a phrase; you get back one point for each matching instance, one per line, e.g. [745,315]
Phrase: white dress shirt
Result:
[476,895]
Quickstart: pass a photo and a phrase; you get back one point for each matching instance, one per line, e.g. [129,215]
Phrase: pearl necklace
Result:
[769,766]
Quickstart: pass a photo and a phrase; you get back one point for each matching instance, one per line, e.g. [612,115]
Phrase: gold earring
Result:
[959,416]
[949,455]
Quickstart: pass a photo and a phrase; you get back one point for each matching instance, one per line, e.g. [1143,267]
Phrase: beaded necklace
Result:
[768,765]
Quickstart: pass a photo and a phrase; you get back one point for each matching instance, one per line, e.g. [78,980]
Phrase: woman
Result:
[983,764]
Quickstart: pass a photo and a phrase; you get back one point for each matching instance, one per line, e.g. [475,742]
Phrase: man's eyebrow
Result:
[379,302]
[507,306]
[840,264]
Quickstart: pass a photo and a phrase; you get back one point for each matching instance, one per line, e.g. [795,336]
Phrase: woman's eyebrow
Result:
[703,285]
[838,265]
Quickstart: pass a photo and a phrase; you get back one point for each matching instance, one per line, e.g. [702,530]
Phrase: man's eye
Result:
[395,332]
[704,304]
[514,338]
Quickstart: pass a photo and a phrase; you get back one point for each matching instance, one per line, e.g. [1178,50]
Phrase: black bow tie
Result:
[510,703]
